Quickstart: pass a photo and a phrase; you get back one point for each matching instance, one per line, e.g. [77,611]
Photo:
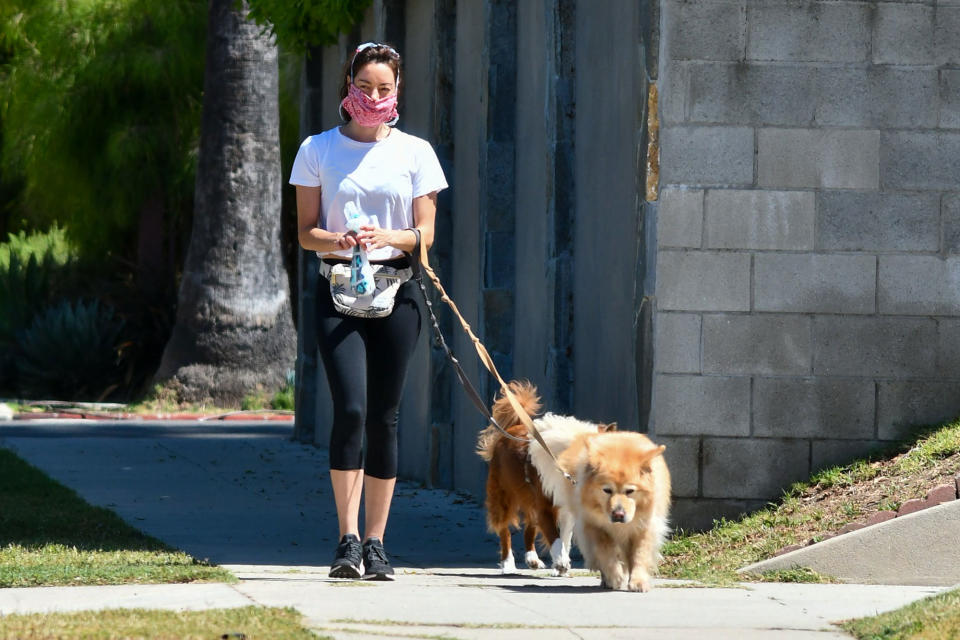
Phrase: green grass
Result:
[808,511]
[934,618]
[232,624]
[51,536]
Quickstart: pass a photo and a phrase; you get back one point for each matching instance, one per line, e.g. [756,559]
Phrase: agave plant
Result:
[32,270]
[71,351]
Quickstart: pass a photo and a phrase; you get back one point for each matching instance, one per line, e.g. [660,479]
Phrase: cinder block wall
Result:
[808,278]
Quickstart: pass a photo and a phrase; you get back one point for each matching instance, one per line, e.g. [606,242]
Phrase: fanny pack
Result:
[376,304]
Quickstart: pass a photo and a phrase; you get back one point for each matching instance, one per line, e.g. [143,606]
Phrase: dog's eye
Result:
[608,491]
[629,491]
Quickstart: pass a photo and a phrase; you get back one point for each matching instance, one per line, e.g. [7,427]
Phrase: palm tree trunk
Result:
[234,329]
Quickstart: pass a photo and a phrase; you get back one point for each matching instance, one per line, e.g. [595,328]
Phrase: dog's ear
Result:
[650,454]
[586,455]
[606,428]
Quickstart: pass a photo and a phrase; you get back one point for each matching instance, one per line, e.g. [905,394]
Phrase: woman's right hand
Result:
[346,240]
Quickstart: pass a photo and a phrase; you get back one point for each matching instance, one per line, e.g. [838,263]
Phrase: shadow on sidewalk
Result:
[240,493]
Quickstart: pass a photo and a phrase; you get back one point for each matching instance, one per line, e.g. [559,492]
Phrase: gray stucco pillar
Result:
[608,229]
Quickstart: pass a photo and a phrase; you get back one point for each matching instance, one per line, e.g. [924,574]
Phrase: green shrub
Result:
[284,399]
[71,351]
[33,268]
[40,244]
[281,400]
[29,270]
[254,401]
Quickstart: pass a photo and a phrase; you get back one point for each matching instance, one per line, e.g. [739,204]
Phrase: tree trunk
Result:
[234,329]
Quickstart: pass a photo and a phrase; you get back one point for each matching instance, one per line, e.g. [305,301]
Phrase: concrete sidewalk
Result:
[243,495]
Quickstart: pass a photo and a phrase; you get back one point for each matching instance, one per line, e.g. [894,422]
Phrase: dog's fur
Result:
[620,502]
[514,486]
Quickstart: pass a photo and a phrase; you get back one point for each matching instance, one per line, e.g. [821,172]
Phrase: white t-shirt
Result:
[380,179]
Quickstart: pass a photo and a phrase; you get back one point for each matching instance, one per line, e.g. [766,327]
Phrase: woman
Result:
[392,180]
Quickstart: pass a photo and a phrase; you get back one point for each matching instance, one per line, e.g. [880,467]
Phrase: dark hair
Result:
[378,52]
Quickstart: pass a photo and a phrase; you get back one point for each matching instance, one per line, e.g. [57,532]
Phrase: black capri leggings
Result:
[366,363]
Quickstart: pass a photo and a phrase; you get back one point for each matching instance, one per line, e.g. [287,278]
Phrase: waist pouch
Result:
[376,304]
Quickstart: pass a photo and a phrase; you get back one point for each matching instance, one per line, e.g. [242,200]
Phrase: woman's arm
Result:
[311,237]
[424,215]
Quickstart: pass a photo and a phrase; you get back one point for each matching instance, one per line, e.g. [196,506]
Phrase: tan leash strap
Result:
[488,361]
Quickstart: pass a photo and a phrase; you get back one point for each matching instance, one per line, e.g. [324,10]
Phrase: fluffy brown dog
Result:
[516,488]
[513,485]
[619,504]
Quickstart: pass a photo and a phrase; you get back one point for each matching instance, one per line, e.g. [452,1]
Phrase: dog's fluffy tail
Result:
[526,393]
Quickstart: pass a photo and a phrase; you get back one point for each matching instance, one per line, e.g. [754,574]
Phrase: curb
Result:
[917,549]
[938,495]
[154,417]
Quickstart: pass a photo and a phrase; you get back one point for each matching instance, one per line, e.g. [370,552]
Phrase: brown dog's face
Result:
[618,482]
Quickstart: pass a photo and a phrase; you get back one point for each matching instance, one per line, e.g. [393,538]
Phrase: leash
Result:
[485,357]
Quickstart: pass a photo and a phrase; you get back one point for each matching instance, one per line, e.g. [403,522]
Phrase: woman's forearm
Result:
[321,240]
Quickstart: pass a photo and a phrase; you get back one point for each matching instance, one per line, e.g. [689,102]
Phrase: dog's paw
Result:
[507,565]
[532,560]
[561,567]
[641,585]
[617,581]
[559,558]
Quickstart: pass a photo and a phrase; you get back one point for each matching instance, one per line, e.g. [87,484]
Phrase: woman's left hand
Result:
[375,238]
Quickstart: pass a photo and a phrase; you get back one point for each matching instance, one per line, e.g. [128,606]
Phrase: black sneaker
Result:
[375,561]
[347,562]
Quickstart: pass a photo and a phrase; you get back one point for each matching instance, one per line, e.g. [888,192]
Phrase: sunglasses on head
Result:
[367,45]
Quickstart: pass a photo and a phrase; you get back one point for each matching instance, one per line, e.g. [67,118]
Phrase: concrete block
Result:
[683,460]
[695,405]
[751,94]
[873,346]
[949,99]
[500,268]
[903,34]
[751,219]
[706,155]
[950,208]
[704,30]
[948,353]
[857,221]
[813,408]
[903,406]
[673,92]
[755,468]
[756,344]
[809,31]
[696,514]
[947,35]
[498,305]
[680,218]
[880,97]
[703,281]
[818,158]
[919,285]
[831,453]
[677,343]
[814,283]
[919,160]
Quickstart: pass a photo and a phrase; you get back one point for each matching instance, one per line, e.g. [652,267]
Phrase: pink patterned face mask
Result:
[367,111]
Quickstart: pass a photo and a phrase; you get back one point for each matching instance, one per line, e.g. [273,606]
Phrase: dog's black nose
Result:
[618,515]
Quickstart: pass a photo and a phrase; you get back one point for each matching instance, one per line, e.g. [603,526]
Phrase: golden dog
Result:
[620,505]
